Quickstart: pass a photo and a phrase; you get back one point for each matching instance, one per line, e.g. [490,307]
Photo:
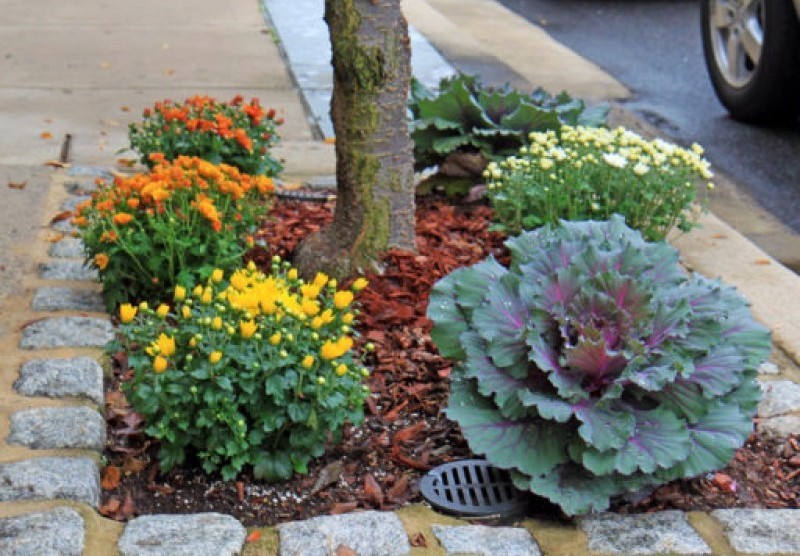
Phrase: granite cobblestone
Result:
[80,377]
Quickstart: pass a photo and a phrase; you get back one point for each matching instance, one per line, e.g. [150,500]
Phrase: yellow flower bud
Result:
[292,274]
[143,306]
[216,323]
[341,369]
[180,293]
[127,313]
[275,339]
[217,275]
[207,296]
[320,279]
[159,364]
[308,361]
[347,318]
[193,342]
[186,312]
[197,291]
[163,310]
[215,357]
[359,284]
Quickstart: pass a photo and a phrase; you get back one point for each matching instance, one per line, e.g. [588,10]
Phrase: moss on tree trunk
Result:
[374,161]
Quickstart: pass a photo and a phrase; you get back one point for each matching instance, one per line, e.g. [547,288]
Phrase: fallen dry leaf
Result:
[55,238]
[46,135]
[725,482]
[17,184]
[419,540]
[127,162]
[56,164]
[373,491]
[64,215]
[763,262]
[134,465]
[240,490]
[329,140]
[111,477]
[110,508]
[343,550]
[343,508]
[105,64]
[125,108]
[169,71]
[254,536]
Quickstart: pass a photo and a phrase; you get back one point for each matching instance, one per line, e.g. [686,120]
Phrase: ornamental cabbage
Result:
[593,366]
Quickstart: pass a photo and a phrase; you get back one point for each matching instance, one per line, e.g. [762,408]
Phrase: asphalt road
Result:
[654,48]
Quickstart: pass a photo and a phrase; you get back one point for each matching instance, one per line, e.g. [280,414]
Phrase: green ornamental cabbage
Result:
[594,367]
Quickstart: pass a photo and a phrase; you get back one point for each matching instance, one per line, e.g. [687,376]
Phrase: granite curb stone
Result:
[51,479]
[366,533]
[182,535]
[58,427]
[59,378]
[69,331]
[67,299]
[486,541]
[59,532]
[67,248]
[779,397]
[666,532]
[67,269]
[761,531]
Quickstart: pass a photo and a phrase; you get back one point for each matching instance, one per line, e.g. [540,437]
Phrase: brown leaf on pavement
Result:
[419,540]
[63,215]
[17,184]
[343,550]
[254,536]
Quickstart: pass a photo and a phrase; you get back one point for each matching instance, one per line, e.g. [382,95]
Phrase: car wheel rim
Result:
[737,38]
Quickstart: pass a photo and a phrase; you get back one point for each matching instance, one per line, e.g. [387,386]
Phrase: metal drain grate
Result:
[471,487]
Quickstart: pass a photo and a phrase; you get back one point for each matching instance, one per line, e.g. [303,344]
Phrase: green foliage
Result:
[254,371]
[172,225]
[466,116]
[233,133]
[579,173]
[593,366]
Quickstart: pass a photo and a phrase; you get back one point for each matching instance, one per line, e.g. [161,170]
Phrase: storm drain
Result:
[472,487]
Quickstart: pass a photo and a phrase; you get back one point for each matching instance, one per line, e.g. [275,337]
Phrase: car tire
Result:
[764,92]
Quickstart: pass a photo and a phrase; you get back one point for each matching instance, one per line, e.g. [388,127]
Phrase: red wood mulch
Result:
[405,432]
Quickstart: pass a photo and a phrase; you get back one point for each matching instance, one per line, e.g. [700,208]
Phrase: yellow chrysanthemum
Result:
[310,308]
[308,361]
[247,328]
[347,318]
[341,369]
[197,291]
[275,339]
[127,313]
[207,296]
[332,350]
[186,312]
[193,342]
[180,293]
[101,261]
[159,364]
[342,299]
[166,345]
[292,274]
[163,310]
[217,275]
[320,279]
[360,284]
[215,357]
[216,323]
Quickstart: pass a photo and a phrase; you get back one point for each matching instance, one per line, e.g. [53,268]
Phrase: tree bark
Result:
[374,155]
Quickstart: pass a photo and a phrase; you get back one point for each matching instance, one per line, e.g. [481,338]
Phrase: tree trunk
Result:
[374,160]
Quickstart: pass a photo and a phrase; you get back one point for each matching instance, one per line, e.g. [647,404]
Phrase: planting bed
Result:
[405,432]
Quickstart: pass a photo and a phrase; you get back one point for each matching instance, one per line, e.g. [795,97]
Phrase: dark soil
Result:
[405,432]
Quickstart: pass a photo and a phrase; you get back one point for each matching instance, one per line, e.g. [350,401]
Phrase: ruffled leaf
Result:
[660,440]
[532,446]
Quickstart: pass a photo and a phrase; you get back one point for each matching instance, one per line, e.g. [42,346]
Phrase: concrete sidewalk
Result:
[88,68]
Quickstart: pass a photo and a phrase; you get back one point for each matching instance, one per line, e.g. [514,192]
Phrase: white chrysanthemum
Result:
[615,160]
[641,169]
